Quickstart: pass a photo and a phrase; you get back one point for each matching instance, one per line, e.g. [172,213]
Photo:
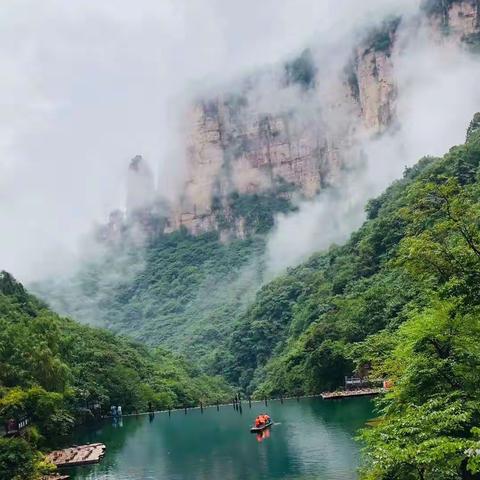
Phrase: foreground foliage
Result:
[58,372]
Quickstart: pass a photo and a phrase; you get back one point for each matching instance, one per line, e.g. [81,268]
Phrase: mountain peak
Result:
[136,163]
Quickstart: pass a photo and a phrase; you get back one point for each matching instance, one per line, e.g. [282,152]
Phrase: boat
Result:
[260,428]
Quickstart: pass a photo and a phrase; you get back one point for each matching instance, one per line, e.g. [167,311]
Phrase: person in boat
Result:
[261,420]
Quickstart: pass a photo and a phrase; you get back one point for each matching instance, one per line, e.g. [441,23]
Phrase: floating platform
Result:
[77,456]
[361,392]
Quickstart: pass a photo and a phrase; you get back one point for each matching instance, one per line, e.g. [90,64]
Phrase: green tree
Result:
[18,461]
[431,414]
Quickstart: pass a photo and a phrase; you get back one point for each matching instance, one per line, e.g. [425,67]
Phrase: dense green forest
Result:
[175,292]
[57,372]
[180,291]
[307,326]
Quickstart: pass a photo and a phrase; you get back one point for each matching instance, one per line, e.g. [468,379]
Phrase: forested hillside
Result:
[57,372]
[300,334]
[401,298]
[181,291]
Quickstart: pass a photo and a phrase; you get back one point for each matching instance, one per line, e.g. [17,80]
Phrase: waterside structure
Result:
[361,392]
[78,455]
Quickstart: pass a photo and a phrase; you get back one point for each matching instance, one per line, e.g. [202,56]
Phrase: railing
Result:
[14,427]
[362,382]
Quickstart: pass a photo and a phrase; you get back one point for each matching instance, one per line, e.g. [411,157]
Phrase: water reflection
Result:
[263,435]
[117,422]
[310,439]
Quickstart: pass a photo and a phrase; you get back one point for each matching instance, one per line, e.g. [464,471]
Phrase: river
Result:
[311,439]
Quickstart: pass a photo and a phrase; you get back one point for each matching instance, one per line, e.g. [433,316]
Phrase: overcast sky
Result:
[88,84]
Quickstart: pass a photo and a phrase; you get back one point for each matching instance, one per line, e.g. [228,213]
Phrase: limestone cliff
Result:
[456,18]
[297,127]
[236,145]
[237,149]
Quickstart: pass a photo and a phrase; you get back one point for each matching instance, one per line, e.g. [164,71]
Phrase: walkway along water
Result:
[236,402]
[361,392]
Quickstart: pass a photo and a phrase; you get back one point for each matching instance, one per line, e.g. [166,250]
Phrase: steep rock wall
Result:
[235,146]
[245,142]
[232,146]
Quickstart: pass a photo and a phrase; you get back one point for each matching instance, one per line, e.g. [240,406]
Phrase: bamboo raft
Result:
[362,392]
[76,456]
[56,477]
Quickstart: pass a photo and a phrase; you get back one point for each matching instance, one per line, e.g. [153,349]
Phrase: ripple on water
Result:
[312,439]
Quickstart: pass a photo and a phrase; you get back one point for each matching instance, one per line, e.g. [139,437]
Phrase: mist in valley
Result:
[89,85]
[92,85]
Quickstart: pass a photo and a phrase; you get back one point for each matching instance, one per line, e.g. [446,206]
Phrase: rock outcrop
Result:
[235,146]
[295,128]
[239,150]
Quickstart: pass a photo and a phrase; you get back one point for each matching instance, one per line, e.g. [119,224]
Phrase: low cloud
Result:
[87,85]
[437,82]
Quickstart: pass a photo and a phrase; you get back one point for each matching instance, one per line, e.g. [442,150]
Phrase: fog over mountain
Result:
[87,85]
[436,87]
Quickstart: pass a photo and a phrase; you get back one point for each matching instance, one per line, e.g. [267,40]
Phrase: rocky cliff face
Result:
[463,18]
[297,127]
[235,145]
[456,18]
[234,148]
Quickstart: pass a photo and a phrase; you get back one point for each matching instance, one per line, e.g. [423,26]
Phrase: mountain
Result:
[301,123]
[176,290]
[293,129]
[182,273]
[300,333]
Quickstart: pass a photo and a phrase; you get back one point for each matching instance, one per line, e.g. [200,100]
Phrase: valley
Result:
[311,219]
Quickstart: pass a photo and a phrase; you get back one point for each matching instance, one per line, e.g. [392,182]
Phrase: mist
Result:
[88,85]
[437,96]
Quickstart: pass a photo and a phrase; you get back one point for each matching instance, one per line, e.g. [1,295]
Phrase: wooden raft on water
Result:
[76,456]
[362,392]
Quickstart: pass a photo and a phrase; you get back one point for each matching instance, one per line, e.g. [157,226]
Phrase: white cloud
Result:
[87,85]
[437,96]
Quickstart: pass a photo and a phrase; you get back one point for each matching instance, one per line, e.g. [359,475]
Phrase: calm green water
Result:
[311,439]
